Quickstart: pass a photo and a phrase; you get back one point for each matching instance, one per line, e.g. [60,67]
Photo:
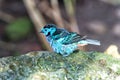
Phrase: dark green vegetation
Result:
[18,29]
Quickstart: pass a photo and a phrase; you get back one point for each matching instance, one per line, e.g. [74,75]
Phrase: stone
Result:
[43,65]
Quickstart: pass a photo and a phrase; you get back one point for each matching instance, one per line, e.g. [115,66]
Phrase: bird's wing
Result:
[73,37]
[60,33]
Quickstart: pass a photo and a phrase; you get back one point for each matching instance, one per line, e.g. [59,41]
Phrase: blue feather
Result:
[63,41]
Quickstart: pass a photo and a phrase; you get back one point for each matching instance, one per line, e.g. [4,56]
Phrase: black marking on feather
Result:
[49,26]
[57,32]
[74,38]
[48,34]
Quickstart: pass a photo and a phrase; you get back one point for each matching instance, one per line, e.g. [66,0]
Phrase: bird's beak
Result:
[41,31]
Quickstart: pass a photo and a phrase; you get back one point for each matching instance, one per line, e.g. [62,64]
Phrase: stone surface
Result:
[50,66]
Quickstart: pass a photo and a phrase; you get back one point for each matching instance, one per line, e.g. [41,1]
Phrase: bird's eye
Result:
[48,34]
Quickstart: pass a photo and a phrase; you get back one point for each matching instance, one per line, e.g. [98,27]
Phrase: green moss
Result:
[51,66]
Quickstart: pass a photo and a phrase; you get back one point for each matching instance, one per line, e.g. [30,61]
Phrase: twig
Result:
[56,13]
[6,17]
[37,19]
[69,5]
[52,11]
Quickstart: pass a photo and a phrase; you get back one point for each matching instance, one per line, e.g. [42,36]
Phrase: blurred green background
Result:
[20,21]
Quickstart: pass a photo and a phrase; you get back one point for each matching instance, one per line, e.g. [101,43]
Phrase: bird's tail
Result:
[91,41]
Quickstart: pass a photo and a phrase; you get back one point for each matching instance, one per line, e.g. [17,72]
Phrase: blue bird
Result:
[63,41]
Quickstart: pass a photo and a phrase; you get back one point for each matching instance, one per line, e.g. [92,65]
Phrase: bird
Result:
[63,41]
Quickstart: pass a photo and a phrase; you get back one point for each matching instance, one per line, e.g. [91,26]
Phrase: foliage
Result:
[18,29]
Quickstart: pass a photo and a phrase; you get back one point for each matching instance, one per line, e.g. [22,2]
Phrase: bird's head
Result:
[49,29]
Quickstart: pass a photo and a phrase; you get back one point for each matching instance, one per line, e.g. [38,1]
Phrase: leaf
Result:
[18,29]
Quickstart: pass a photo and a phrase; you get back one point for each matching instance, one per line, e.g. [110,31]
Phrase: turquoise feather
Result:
[63,41]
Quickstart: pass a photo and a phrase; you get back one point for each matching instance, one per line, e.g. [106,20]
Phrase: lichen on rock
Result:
[43,65]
